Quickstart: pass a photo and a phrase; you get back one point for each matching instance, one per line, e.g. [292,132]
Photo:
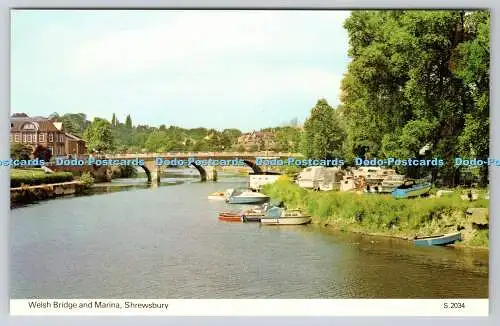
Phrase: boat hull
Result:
[248,200]
[286,220]
[411,192]
[221,198]
[251,218]
[229,217]
[442,240]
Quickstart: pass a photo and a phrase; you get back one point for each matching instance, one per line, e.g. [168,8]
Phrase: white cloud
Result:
[253,84]
[220,52]
[195,41]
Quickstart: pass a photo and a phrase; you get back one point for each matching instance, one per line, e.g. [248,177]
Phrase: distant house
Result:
[34,131]
[259,140]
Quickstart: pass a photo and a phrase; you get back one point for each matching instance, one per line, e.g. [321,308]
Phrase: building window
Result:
[50,149]
[62,138]
[51,137]
[34,138]
[42,138]
[24,138]
[30,138]
[16,138]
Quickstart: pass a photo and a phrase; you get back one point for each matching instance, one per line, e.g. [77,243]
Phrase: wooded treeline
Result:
[114,136]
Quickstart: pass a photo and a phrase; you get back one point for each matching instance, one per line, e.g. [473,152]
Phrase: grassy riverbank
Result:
[384,215]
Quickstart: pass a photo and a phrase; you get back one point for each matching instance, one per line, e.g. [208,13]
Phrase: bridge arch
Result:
[203,173]
[256,169]
[148,173]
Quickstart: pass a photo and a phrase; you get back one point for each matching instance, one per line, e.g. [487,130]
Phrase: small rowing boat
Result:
[218,195]
[411,189]
[230,217]
[437,240]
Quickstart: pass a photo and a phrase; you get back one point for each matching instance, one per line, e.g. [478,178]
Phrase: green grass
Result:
[33,177]
[379,213]
[480,238]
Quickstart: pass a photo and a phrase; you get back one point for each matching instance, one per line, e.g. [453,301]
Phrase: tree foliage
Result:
[42,153]
[19,151]
[99,136]
[128,122]
[323,135]
[417,78]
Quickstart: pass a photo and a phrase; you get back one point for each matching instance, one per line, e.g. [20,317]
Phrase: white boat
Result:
[369,173]
[218,195]
[332,177]
[377,175]
[320,178]
[311,177]
[391,182]
[258,210]
[280,216]
[240,196]
[258,180]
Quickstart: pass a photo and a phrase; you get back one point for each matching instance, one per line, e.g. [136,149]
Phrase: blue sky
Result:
[214,69]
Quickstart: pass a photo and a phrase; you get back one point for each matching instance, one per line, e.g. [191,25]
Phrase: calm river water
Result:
[166,242]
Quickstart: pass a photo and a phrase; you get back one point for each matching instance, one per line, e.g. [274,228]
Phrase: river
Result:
[167,242]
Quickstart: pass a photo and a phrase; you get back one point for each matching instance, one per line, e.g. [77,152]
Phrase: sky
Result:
[215,69]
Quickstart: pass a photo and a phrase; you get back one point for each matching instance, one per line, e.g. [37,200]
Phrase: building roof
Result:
[73,137]
[40,123]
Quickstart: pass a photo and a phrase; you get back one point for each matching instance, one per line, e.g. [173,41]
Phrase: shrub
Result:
[20,151]
[42,153]
[87,179]
[36,178]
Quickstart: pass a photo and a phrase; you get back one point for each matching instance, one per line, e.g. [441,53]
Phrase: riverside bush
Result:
[87,179]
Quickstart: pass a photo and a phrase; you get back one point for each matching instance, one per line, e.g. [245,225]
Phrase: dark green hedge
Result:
[17,181]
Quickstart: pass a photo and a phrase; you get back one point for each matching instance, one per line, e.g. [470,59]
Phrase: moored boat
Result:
[218,195]
[246,197]
[255,214]
[391,182]
[411,189]
[280,216]
[437,240]
[230,217]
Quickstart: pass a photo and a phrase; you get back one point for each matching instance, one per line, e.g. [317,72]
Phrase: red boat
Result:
[230,217]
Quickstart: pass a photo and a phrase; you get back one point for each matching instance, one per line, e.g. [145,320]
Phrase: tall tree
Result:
[75,123]
[99,136]
[128,122]
[471,63]
[323,135]
[53,116]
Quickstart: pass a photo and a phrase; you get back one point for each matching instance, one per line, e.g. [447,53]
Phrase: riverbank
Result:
[383,215]
[27,194]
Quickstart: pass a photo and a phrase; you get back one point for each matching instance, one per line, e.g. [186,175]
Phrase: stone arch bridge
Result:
[207,172]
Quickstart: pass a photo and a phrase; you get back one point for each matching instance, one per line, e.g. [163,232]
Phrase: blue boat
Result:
[437,240]
[411,189]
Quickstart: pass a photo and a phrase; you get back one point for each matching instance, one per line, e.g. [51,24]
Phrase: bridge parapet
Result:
[204,154]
